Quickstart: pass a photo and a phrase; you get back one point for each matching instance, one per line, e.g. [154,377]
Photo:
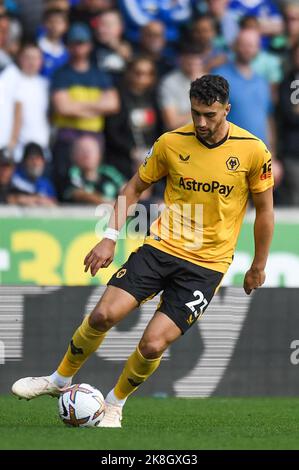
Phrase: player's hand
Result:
[100,256]
[253,279]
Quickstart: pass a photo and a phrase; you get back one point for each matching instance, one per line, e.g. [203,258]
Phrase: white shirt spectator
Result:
[9,78]
[33,95]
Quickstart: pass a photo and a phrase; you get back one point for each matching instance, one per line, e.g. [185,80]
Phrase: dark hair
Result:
[189,48]
[54,11]
[33,149]
[210,88]
[204,17]
[247,18]
[139,58]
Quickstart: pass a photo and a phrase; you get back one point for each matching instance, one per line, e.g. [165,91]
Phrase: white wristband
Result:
[111,233]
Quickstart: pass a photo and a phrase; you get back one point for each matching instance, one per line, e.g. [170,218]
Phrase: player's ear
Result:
[227,109]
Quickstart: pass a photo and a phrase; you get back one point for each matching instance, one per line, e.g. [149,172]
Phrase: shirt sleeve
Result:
[260,175]
[154,166]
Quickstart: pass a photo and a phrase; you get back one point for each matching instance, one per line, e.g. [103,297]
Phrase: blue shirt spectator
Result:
[52,59]
[29,177]
[51,43]
[250,100]
[24,184]
[173,13]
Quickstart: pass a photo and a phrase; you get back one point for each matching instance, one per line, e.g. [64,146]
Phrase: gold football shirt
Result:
[207,189]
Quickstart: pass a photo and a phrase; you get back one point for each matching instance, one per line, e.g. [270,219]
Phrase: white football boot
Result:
[112,417]
[32,387]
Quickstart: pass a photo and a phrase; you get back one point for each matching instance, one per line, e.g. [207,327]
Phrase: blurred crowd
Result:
[87,86]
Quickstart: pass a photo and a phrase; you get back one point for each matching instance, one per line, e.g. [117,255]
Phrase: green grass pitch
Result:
[156,423]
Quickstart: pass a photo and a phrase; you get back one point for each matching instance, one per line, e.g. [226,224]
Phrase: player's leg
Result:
[187,294]
[139,278]
[159,334]
[114,305]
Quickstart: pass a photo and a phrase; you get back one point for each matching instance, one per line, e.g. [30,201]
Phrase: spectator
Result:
[250,97]
[264,63]
[250,93]
[14,40]
[203,36]
[31,103]
[9,79]
[152,43]
[131,132]
[51,43]
[5,58]
[226,23]
[90,182]
[138,13]
[81,96]
[175,87]
[288,111]
[29,184]
[266,11]
[7,167]
[111,52]
[284,44]
[49,5]
[87,11]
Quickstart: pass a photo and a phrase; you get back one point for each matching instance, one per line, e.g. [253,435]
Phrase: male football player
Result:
[211,167]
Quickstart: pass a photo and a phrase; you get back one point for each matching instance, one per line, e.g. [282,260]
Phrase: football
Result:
[81,405]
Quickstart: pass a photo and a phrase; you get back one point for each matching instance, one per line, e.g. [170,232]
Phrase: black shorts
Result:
[187,288]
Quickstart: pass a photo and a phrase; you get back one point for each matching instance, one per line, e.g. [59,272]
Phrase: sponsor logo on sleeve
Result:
[266,170]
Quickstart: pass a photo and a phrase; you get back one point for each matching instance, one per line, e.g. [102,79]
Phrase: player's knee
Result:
[152,348]
[102,318]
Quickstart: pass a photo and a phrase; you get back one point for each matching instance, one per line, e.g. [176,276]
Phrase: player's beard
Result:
[206,135]
[209,133]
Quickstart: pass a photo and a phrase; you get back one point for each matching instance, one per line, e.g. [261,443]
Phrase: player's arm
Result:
[263,232]
[102,254]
